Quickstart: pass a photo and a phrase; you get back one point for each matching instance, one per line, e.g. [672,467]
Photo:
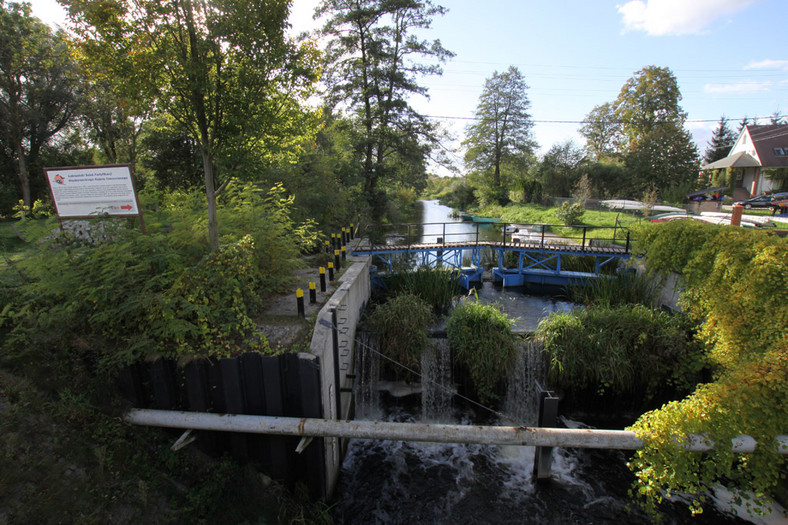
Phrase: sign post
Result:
[83,192]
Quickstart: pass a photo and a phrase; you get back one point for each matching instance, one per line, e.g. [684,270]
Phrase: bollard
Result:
[330,271]
[300,301]
[344,253]
[336,260]
[352,232]
[312,293]
[344,236]
[322,279]
[328,250]
[333,241]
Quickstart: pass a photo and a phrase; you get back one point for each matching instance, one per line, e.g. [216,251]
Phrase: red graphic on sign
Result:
[126,207]
[59,179]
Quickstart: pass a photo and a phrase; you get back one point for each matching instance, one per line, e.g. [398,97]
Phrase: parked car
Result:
[762,201]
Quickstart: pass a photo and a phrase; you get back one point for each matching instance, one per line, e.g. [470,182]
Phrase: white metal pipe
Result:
[491,435]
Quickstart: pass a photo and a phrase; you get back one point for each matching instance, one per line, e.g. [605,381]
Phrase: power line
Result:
[539,121]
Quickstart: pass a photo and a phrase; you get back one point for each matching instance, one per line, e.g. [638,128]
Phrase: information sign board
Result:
[91,191]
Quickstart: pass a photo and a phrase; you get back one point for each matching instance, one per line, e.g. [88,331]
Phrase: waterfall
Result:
[520,402]
[367,395]
[436,384]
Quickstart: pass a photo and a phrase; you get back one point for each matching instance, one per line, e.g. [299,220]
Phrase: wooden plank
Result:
[274,406]
[234,401]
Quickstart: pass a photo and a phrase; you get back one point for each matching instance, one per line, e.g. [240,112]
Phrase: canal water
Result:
[395,482]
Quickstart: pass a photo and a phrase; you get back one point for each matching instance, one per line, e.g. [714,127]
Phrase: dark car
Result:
[762,201]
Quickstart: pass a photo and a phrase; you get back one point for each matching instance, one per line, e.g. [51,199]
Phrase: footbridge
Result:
[544,254]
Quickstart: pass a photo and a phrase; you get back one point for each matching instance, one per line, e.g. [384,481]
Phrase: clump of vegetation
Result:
[570,213]
[435,286]
[156,294]
[401,326]
[623,350]
[482,340]
[622,288]
[736,289]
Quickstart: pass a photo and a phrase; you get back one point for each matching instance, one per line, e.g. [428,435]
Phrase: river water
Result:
[412,483]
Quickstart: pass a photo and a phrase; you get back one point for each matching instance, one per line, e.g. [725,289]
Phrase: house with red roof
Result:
[757,149]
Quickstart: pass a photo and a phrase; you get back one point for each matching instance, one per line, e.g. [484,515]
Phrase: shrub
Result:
[623,350]
[621,288]
[481,337]
[400,325]
[570,214]
[435,286]
[736,288]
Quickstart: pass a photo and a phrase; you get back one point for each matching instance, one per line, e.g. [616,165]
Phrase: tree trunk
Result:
[24,179]
[210,193]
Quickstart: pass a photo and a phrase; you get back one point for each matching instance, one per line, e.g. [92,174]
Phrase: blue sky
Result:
[729,56]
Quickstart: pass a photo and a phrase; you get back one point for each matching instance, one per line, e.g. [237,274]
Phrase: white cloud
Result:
[676,17]
[768,64]
[739,87]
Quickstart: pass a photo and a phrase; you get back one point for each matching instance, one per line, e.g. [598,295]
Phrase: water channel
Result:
[406,482]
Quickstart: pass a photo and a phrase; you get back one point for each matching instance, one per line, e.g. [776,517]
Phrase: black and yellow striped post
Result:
[312,293]
[352,232]
[336,260]
[333,241]
[300,301]
[344,253]
[330,271]
[328,247]
[344,236]
[322,279]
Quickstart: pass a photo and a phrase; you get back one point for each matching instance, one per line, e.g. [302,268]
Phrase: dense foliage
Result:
[736,287]
[435,286]
[156,294]
[481,337]
[400,325]
[628,350]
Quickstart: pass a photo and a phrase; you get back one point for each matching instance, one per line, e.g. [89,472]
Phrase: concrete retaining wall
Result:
[349,301]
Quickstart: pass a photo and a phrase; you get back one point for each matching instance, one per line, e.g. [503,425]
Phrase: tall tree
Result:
[647,132]
[38,88]
[502,131]
[225,70]
[602,132]
[373,67]
[721,142]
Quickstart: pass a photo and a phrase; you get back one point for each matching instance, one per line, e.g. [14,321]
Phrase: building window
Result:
[780,152]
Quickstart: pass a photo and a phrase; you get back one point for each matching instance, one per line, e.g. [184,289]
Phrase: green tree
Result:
[721,142]
[560,169]
[38,89]
[502,131]
[602,132]
[224,70]
[644,128]
[372,69]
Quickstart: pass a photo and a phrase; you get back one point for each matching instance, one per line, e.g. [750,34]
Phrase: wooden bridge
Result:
[520,254]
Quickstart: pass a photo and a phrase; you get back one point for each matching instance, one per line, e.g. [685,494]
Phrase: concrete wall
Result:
[349,300]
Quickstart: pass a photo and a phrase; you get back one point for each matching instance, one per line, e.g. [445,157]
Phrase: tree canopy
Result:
[224,70]
[721,142]
[373,64]
[502,131]
[38,89]
[644,127]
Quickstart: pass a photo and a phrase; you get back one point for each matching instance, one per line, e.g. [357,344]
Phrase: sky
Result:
[730,57]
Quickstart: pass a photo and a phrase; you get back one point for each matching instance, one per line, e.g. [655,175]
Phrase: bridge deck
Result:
[526,246]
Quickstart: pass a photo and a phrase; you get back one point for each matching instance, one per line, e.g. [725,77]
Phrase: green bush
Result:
[156,294]
[400,325]
[625,350]
[570,214]
[619,289]
[482,340]
[435,286]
